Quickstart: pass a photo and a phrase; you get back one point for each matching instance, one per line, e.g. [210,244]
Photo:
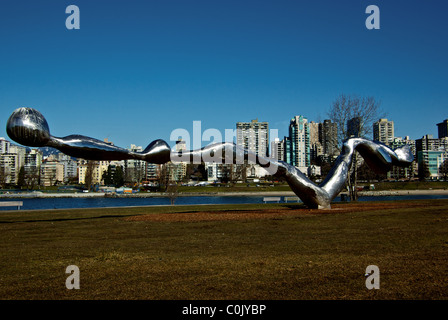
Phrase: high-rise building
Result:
[287,153]
[428,143]
[278,149]
[134,170]
[328,137]
[4,145]
[178,170]
[403,172]
[383,131]
[152,171]
[9,168]
[443,128]
[70,166]
[354,126]
[12,158]
[52,173]
[316,148]
[433,161]
[431,153]
[299,136]
[98,168]
[253,136]
[33,161]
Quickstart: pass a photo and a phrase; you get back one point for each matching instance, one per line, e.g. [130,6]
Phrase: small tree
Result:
[118,177]
[226,173]
[423,171]
[163,177]
[89,174]
[32,177]
[3,177]
[172,191]
[21,178]
[107,177]
[365,173]
[443,170]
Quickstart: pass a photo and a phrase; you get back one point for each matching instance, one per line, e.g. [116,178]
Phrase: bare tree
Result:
[3,177]
[21,178]
[172,191]
[423,171]
[354,117]
[348,107]
[163,176]
[32,176]
[238,172]
[443,169]
[89,174]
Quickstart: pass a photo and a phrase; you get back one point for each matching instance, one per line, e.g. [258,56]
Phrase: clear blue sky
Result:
[136,70]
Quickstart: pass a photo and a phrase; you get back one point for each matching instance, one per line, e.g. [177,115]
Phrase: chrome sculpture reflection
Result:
[28,127]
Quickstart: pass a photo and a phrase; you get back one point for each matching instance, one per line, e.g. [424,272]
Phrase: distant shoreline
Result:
[371,193]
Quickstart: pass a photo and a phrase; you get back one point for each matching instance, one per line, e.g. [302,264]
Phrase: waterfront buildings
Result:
[299,135]
[307,144]
[383,131]
[4,145]
[354,127]
[316,147]
[94,168]
[431,153]
[134,170]
[278,149]
[328,137]
[323,141]
[9,169]
[398,173]
[51,173]
[432,161]
[253,136]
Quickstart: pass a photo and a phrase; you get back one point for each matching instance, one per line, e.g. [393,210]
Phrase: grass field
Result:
[379,186]
[272,251]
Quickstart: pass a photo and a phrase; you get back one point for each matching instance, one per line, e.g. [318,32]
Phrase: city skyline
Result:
[135,71]
[308,146]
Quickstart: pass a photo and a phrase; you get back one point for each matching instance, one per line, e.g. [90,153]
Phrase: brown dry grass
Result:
[277,213]
[250,252]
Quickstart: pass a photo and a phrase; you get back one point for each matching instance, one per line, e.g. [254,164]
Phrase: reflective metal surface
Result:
[28,127]
[377,155]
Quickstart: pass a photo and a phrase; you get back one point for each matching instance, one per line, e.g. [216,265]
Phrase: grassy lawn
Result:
[289,253]
[413,185]
[379,186]
[241,187]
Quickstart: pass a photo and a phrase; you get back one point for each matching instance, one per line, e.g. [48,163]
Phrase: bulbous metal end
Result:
[28,127]
[158,152]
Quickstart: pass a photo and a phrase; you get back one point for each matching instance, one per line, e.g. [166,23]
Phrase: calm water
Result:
[64,203]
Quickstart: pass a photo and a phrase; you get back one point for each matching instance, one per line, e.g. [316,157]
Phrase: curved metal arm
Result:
[28,127]
[377,155]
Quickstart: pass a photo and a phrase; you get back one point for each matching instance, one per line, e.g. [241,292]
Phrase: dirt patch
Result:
[282,212]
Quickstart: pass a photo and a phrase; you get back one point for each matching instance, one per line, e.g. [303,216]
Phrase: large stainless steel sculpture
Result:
[28,127]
